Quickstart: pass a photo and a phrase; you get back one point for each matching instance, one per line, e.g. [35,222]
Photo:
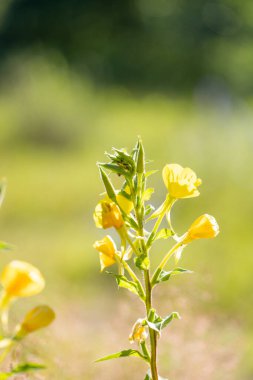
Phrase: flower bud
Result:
[180,182]
[107,249]
[139,332]
[107,214]
[205,226]
[37,318]
[21,279]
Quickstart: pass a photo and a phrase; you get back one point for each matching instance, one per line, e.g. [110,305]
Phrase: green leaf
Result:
[140,165]
[147,194]
[165,275]
[142,262]
[25,367]
[159,211]
[108,185]
[114,168]
[151,172]
[164,233]
[123,354]
[123,282]
[21,368]
[148,209]
[160,323]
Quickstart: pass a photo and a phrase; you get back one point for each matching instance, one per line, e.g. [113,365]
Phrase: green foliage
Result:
[165,275]
[188,42]
[21,368]
[123,354]
[159,323]
[123,282]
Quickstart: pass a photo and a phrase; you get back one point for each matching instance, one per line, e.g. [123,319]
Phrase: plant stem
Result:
[166,208]
[164,262]
[148,287]
[152,333]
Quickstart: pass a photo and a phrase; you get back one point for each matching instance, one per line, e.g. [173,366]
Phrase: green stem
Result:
[164,262]
[145,350]
[134,278]
[148,288]
[166,208]
[152,333]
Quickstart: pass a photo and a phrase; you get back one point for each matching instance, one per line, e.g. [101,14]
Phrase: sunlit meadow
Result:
[54,127]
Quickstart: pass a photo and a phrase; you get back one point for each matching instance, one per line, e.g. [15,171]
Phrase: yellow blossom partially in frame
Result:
[125,204]
[107,250]
[180,182]
[139,332]
[37,318]
[107,214]
[21,279]
[205,226]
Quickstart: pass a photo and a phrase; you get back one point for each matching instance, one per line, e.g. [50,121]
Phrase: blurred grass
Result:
[54,127]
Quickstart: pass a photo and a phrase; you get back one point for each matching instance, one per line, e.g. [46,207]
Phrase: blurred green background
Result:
[79,77]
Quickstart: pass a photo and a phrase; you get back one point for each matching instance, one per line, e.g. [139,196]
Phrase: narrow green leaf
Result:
[114,168]
[147,194]
[25,367]
[140,158]
[165,275]
[159,211]
[164,233]
[161,323]
[148,209]
[151,172]
[123,354]
[169,318]
[21,368]
[108,185]
[123,282]
[142,262]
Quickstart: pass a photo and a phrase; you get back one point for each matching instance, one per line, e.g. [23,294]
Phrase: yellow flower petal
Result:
[107,250]
[139,332]
[205,226]
[37,318]
[107,214]
[125,204]
[21,279]
[180,182]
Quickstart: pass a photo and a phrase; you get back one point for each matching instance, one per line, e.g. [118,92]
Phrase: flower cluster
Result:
[20,279]
[127,211]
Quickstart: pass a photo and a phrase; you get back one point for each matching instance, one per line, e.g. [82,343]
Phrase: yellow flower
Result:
[125,204]
[139,332]
[37,318]
[180,182]
[107,214]
[21,279]
[205,226]
[107,250]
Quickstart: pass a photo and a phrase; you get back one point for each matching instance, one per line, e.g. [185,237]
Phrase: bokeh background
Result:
[78,77]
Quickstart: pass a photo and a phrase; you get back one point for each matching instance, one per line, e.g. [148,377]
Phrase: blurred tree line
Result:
[168,45]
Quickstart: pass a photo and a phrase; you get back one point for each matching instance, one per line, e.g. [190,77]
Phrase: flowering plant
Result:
[128,210]
[19,279]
